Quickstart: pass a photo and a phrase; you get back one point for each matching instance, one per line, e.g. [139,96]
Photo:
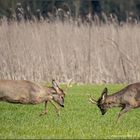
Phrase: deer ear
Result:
[104,93]
[105,90]
[54,84]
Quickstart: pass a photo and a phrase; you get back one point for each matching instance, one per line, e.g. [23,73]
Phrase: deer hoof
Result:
[43,113]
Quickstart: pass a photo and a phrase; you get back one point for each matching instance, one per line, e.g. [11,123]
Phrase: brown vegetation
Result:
[41,51]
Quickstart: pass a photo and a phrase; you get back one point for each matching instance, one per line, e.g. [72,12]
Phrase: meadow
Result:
[79,119]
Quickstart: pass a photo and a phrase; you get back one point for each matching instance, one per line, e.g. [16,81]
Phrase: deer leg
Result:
[123,110]
[57,108]
[46,110]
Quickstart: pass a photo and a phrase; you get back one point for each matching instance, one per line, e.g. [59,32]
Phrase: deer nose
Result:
[103,112]
[62,105]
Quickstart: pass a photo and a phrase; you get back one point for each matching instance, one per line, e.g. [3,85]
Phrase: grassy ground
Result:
[79,119]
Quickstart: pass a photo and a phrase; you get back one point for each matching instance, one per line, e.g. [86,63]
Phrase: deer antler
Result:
[92,100]
[68,85]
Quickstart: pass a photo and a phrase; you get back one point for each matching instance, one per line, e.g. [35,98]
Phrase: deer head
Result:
[59,95]
[101,102]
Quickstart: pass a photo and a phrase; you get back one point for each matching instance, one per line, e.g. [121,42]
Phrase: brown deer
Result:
[27,92]
[128,98]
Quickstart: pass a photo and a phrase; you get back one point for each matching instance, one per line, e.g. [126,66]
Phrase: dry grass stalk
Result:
[42,51]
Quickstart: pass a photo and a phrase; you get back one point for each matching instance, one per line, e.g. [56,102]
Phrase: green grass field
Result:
[78,120]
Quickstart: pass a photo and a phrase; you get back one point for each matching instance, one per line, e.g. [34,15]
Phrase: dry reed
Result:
[40,51]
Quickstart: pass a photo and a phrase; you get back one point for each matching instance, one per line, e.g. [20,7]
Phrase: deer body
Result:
[128,98]
[27,92]
[130,95]
[24,92]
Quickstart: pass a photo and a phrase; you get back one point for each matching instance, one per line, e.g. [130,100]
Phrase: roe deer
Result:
[128,98]
[27,92]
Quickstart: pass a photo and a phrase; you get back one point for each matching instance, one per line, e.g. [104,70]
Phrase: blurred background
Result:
[121,10]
